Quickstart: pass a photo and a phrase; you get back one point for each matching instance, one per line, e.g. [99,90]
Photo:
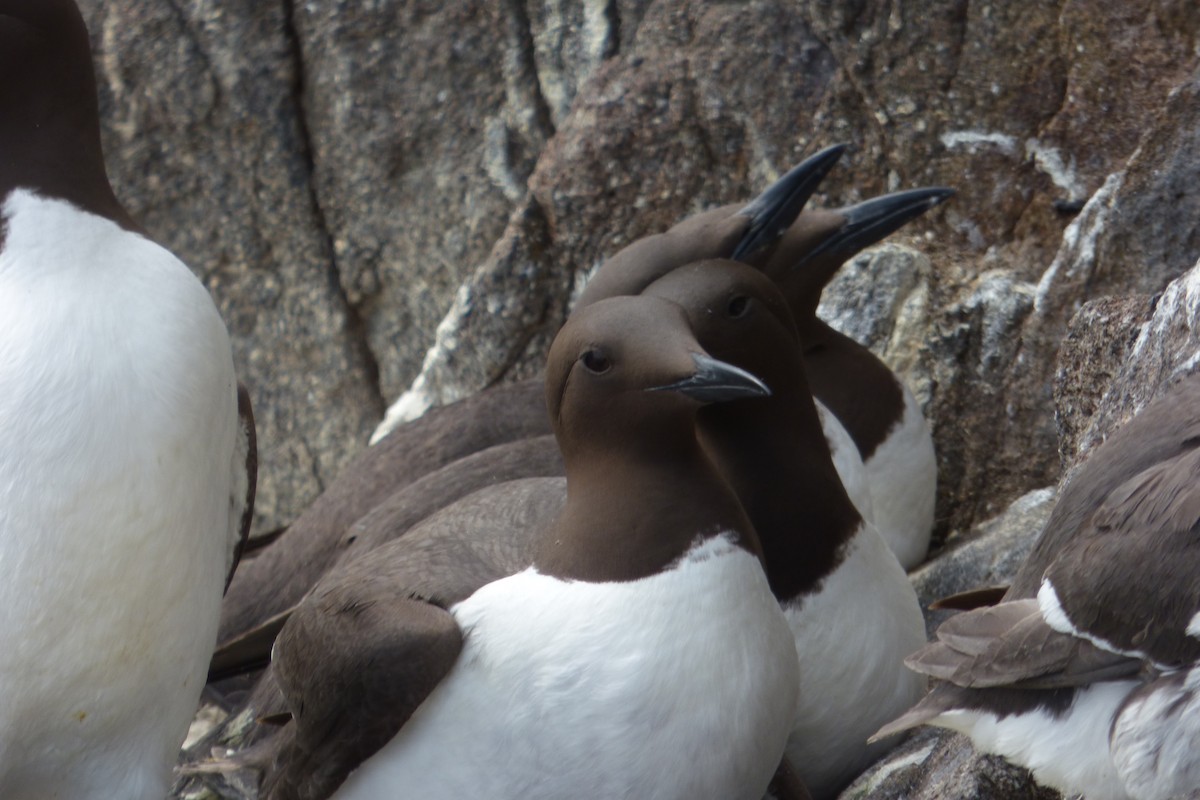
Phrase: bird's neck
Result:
[778,462]
[50,145]
[635,509]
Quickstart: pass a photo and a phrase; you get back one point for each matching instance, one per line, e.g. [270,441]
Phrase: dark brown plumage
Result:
[375,637]
[284,571]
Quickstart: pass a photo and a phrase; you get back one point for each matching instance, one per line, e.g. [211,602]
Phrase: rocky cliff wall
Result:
[397,198]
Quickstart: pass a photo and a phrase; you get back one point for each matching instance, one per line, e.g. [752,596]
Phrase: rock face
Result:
[398,199]
[208,148]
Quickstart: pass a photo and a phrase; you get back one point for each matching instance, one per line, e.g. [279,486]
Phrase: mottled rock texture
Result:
[939,765]
[399,198]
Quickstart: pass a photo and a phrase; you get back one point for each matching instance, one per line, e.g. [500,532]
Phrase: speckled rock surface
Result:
[987,555]
[1166,350]
[939,765]
[207,147]
[1092,354]
[881,299]
[401,197]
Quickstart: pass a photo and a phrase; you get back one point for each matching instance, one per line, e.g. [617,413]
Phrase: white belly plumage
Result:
[1156,736]
[851,638]
[118,418]
[847,461]
[678,685]
[902,473]
[1069,752]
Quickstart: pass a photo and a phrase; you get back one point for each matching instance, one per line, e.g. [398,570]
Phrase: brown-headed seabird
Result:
[629,648]
[1086,673]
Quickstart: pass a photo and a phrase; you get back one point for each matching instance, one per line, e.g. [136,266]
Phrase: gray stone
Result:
[1166,350]
[1155,237]
[972,346]
[939,765]
[987,555]
[570,40]
[880,298]
[425,120]
[206,148]
[1097,343]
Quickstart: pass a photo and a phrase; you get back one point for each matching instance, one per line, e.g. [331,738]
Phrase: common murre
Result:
[876,408]
[851,609]
[641,654]
[280,575]
[1086,672]
[127,452]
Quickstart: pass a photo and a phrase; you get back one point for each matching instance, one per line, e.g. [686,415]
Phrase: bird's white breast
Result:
[902,473]
[117,425]
[677,685]
[851,639]
[1156,738]
[847,461]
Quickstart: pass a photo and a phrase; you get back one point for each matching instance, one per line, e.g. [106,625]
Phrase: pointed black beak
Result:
[870,221]
[774,211]
[716,382]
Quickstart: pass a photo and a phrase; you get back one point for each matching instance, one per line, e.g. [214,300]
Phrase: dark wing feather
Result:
[354,662]
[281,574]
[370,642]
[1168,427]
[1129,580]
[249,652]
[970,599]
[1010,645]
[1121,550]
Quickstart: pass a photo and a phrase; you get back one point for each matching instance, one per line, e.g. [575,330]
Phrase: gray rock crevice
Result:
[515,137]
[612,17]
[355,326]
[207,63]
[202,142]
[525,82]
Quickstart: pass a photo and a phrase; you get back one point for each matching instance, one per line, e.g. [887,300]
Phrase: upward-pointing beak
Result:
[872,220]
[773,211]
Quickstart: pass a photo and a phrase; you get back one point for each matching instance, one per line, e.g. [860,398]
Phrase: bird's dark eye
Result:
[596,361]
[738,306]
